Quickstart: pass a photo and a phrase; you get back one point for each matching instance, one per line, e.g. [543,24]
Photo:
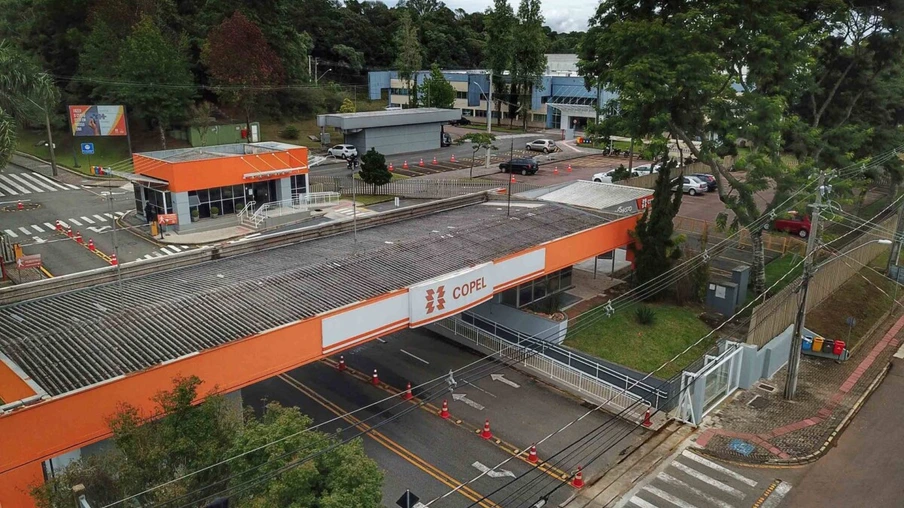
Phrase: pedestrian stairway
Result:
[97,223]
[20,184]
[692,481]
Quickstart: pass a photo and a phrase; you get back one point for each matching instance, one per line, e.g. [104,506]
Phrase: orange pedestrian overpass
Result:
[67,360]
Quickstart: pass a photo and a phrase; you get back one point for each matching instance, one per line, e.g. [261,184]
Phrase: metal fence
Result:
[775,242]
[414,187]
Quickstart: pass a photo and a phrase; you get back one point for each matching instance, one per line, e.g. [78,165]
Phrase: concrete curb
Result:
[71,171]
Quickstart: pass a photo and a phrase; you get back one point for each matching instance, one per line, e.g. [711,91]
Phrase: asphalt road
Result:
[431,456]
[89,210]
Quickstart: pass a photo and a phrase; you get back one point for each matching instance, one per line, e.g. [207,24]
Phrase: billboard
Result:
[98,120]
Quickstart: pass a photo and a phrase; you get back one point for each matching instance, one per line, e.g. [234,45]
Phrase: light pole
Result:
[317,79]
[489,97]
[53,166]
[512,179]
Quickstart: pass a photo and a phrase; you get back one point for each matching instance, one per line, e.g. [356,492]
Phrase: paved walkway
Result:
[759,426]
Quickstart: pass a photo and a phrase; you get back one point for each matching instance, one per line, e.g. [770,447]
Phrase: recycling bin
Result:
[827,346]
[807,344]
[838,349]
[817,344]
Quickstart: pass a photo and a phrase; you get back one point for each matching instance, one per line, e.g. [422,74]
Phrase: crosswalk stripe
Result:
[26,183]
[777,495]
[14,184]
[50,226]
[77,223]
[675,482]
[50,182]
[107,215]
[185,246]
[166,249]
[668,497]
[709,480]
[72,187]
[27,232]
[38,182]
[11,233]
[64,224]
[99,218]
[37,228]
[86,219]
[147,256]
[641,503]
[120,214]
[157,254]
[7,189]
[716,467]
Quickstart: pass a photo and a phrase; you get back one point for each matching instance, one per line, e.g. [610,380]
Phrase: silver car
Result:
[541,145]
[693,185]
[343,151]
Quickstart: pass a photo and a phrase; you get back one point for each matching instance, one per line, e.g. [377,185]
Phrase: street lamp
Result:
[317,79]
[489,97]
[53,166]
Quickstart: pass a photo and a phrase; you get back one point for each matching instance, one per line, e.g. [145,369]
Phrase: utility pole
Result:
[896,242]
[511,178]
[316,62]
[489,115]
[796,339]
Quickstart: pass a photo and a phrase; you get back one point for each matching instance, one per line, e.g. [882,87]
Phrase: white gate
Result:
[703,390]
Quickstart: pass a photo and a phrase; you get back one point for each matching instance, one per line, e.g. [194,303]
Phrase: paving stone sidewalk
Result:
[758,426]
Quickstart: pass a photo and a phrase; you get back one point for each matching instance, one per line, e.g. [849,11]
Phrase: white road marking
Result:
[109,216]
[14,184]
[99,218]
[464,398]
[675,482]
[157,254]
[6,189]
[502,473]
[501,378]
[415,357]
[10,233]
[86,219]
[72,187]
[26,183]
[147,256]
[38,239]
[50,226]
[668,497]
[37,228]
[479,388]
[166,249]
[63,223]
[777,495]
[716,467]
[709,480]
[52,182]
[641,503]
[77,223]
[38,182]
[100,229]
[381,340]
[25,230]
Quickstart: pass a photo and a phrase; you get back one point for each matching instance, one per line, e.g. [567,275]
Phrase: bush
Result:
[214,210]
[289,132]
[645,315]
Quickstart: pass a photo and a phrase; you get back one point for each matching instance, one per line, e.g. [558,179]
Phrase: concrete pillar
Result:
[181,208]
[284,189]
[142,198]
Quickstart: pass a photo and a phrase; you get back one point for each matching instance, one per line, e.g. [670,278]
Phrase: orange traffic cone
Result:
[421,164]
[113,260]
[555,171]
[513,178]
[532,456]
[405,165]
[578,480]
[390,167]
[407,393]
[59,227]
[78,236]
[569,167]
[444,412]
[69,232]
[434,160]
[375,380]
[486,434]
[20,206]
[646,419]
[453,158]
[341,365]
[91,245]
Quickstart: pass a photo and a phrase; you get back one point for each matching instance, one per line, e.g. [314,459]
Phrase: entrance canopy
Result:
[574,110]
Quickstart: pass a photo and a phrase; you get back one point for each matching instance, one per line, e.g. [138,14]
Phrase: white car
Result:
[541,145]
[606,176]
[343,151]
[693,185]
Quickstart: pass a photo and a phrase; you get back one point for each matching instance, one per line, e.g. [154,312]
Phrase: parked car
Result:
[709,179]
[445,139]
[461,121]
[523,166]
[692,185]
[795,224]
[541,145]
[343,151]
[606,176]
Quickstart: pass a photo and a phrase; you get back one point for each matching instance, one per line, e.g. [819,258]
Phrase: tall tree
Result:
[374,170]
[659,248]
[529,56]
[148,58]
[500,46]
[436,91]
[241,62]
[25,90]
[408,59]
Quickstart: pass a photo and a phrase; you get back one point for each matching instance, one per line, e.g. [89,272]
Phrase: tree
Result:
[621,173]
[479,141]
[147,57]
[436,91]
[347,106]
[202,118]
[659,248]
[241,62]
[529,55]
[23,88]
[374,170]
[500,46]
[408,59]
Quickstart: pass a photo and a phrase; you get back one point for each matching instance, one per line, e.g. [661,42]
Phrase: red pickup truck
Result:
[795,224]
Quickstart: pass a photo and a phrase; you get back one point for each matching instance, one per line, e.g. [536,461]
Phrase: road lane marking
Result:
[460,397]
[25,230]
[668,497]
[415,357]
[10,233]
[64,224]
[388,443]
[6,189]
[77,223]
[26,183]
[100,218]
[100,229]
[108,215]
[717,467]
[492,473]
[50,226]
[164,249]
[708,480]
[641,503]
[38,182]
[501,378]
[53,182]
[381,340]
[675,482]
[37,228]
[777,495]
[479,388]
[14,184]
[86,219]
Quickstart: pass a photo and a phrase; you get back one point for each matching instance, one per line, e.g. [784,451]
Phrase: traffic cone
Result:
[407,393]
[78,237]
[69,232]
[390,167]
[341,365]
[59,227]
[578,480]
[444,412]
[20,206]
[405,165]
[375,380]
[113,260]
[421,164]
[569,167]
[453,158]
[434,160]
[513,178]
[646,419]
[555,171]
[91,245]
[532,456]
[486,434]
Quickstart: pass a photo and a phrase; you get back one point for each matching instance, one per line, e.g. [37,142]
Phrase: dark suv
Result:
[523,166]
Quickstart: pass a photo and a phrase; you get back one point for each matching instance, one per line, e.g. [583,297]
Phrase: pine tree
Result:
[654,232]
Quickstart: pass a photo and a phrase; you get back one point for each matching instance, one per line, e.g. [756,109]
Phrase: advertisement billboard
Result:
[98,120]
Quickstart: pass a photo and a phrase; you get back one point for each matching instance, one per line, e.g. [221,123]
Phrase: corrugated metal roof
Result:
[75,339]
[594,195]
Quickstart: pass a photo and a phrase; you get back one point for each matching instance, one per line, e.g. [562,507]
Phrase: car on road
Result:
[795,224]
[692,185]
[461,121]
[541,145]
[606,176]
[709,179]
[343,151]
[523,166]
[445,139]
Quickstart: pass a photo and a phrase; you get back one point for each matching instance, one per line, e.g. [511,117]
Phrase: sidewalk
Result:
[758,426]
[66,175]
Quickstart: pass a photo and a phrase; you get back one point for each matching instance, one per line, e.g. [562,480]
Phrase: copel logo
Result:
[436,299]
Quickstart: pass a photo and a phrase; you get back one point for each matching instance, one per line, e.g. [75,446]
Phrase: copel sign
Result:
[470,287]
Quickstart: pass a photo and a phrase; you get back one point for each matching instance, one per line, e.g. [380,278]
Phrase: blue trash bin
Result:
[807,344]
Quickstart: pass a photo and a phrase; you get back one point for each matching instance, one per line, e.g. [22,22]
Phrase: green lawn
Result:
[372,200]
[622,340]
[108,151]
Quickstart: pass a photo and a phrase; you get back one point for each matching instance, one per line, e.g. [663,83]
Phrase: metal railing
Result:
[614,397]
[246,212]
[297,203]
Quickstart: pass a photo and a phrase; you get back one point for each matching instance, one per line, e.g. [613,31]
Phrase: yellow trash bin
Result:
[154,230]
[817,343]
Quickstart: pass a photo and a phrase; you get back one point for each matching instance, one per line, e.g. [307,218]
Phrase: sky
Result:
[561,15]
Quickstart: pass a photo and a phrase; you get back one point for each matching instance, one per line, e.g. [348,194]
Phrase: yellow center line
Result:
[388,443]
[520,453]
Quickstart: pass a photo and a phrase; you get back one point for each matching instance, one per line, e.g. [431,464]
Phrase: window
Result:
[538,289]
[299,185]
[461,95]
[229,200]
